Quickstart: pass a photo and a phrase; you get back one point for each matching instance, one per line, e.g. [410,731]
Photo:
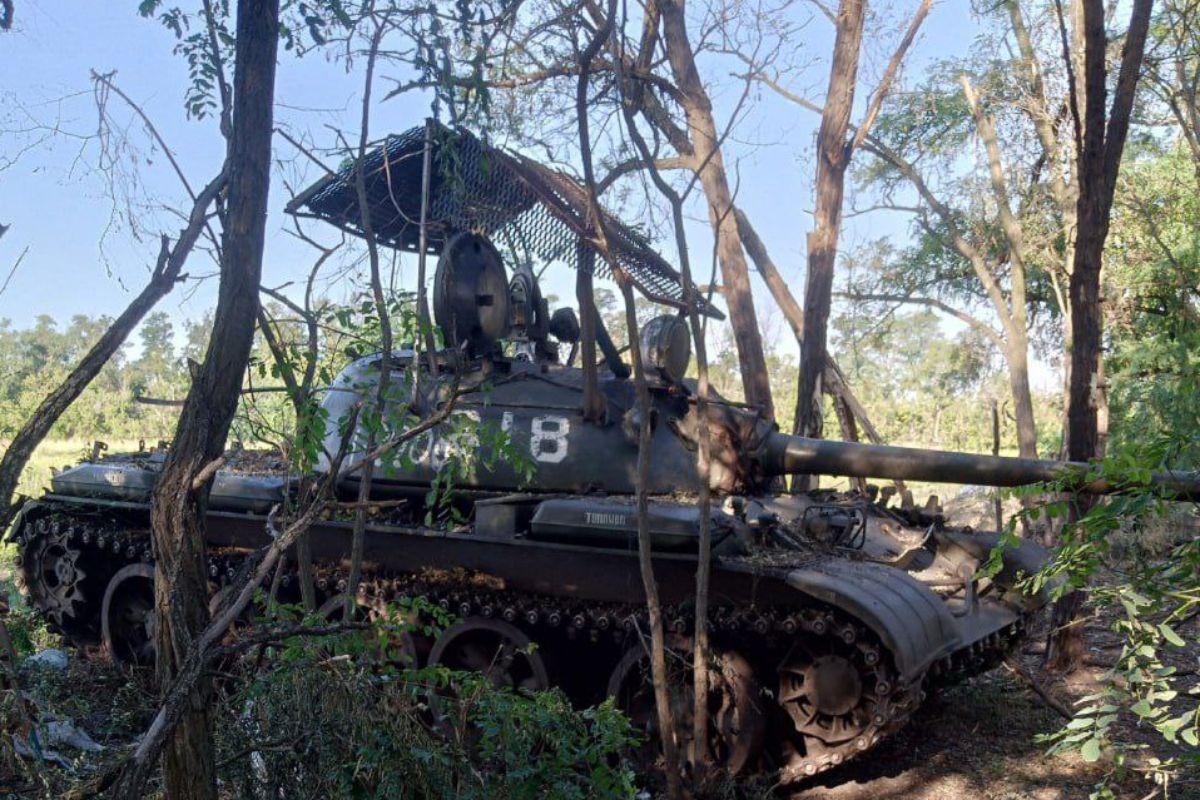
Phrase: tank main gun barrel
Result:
[790,455]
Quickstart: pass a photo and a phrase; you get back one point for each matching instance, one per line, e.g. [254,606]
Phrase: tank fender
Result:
[910,620]
[1023,558]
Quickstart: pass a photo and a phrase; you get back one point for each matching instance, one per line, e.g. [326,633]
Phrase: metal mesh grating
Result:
[475,187]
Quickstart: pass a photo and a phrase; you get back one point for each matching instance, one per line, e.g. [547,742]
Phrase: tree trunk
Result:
[658,638]
[180,501]
[998,503]
[706,141]
[1086,325]
[1018,380]
[833,155]
[1098,161]
[385,323]
[832,380]
[658,666]
[594,405]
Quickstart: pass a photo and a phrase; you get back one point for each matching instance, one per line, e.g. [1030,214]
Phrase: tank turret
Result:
[535,399]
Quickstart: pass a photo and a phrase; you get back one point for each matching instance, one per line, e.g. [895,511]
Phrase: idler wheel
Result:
[127,615]
[737,724]
[494,648]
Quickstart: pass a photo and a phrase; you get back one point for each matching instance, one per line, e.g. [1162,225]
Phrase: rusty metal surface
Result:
[536,212]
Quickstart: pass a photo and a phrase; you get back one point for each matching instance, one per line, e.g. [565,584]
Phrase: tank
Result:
[831,612]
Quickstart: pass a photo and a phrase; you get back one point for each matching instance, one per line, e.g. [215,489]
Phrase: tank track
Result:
[104,544]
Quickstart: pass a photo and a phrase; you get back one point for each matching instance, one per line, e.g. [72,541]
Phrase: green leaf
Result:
[1090,751]
[1170,635]
[1137,598]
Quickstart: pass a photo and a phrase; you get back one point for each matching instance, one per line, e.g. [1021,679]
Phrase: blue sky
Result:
[78,262]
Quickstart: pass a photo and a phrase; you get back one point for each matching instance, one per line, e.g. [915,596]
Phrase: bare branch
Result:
[381,310]
[1123,96]
[636,164]
[207,472]
[1058,706]
[833,380]
[1008,222]
[107,81]
[645,563]
[167,272]
[13,271]
[825,10]
[931,302]
[1072,82]
[889,76]
[961,244]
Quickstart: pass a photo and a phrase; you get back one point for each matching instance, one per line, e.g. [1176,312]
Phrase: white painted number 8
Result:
[548,439]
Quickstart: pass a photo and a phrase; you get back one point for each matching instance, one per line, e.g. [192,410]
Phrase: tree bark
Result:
[998,502]
[710,170]
[1098,160]
[180,501]
[1086,311]
[1017,357]
[700,644]
[833,156]
[850,412]
[833,381]
[385,330]
[594,404]
[1098,164]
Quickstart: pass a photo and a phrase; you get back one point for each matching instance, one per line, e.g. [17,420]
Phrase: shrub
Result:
[326,719]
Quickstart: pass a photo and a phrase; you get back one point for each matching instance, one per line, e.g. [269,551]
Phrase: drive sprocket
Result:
[54,576]
[837,686]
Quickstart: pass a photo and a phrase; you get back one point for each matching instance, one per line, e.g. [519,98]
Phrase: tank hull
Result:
[584,607]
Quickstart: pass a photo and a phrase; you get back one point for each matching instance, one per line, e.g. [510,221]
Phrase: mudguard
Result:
[907,616]
[132,483]
[1023,558]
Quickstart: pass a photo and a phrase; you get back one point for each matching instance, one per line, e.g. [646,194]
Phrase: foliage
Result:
[42,355]
[1154,323]
[1146,594]
[330,719]
[26,628]
[926,384]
